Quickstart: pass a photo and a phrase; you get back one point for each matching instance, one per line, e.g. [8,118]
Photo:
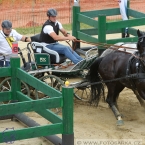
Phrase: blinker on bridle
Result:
[140,40]
[141,37]
[141,43]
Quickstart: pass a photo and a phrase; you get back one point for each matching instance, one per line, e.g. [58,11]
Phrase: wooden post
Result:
[75,24]
[15,82]
[67,110]
[101,32]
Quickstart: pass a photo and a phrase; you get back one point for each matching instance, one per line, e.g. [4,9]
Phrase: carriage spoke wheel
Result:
[54,82]
[5,85]
[83,93]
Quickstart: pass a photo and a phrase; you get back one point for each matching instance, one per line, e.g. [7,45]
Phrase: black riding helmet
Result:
[52,12]
[6,24]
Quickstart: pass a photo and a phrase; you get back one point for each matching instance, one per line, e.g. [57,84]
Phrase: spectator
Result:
[7,37]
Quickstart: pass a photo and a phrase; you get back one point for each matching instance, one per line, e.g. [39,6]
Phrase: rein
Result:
[131,76]
[74,47]
[97,44]
[103,44]
[110,46]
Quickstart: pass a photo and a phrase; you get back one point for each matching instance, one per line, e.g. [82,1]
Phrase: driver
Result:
[49,37]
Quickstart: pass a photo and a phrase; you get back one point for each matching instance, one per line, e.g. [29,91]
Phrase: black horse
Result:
[120,64]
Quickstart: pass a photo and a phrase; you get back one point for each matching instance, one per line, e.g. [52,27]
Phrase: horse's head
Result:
[141,43]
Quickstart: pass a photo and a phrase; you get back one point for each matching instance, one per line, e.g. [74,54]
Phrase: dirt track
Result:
[98,123]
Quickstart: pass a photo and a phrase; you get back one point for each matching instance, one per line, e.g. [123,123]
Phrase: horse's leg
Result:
[118,88]
[113,92]
[138,94]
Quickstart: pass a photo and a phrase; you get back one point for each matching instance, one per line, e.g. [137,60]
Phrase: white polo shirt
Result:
[4,45]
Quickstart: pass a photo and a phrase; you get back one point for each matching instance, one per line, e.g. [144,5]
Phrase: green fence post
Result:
[67,110]
[76,23]
[15,82]
[101,32]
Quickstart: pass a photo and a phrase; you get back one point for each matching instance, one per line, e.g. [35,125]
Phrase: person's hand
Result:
[72,38]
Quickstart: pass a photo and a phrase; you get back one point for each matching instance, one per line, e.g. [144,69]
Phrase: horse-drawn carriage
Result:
[53,69]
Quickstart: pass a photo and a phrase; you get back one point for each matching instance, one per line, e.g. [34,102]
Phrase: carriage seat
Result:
[39,48]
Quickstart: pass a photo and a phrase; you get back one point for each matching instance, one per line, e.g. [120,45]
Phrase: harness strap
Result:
[128,65]
[131,76]
[138,75]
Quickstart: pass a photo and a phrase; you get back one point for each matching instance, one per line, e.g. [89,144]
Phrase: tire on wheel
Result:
[5,85]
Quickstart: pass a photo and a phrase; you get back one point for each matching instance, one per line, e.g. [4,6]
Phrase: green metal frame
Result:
[102,27]
[42,59]
[60,125]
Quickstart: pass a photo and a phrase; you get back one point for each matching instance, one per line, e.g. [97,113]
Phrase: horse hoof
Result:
[122,116]
[119,122]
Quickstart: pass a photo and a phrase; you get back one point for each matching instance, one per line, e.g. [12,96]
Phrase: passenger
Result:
[49,37]
[7,37]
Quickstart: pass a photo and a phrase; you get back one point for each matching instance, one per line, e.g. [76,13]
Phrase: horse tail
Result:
[97,90]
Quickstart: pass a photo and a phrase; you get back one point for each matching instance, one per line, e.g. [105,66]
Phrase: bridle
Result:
[141,48]
[141,44]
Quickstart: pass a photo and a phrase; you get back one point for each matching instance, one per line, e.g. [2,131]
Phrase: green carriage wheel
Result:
[5,85]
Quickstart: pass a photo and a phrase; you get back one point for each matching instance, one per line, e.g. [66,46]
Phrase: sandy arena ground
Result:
[96,123]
